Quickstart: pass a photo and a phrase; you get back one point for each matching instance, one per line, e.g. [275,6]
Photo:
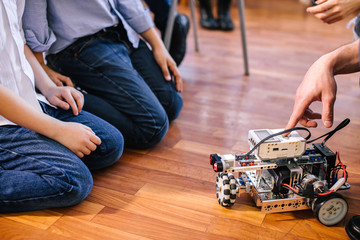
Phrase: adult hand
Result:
[331,11]
[65,97]
[59,79]
[80,139]
[318,85]
[168,66]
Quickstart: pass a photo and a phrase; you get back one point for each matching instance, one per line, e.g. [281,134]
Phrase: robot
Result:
[282,174]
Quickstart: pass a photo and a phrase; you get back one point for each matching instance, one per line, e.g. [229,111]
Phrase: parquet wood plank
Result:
[313,229]
[85,210]
[198,203]
[74,228]
[145,175]
[153,208]
[196,147]
[14,230]
[150,227]
[171,166]
[42,219]
[244,230]
[117,182]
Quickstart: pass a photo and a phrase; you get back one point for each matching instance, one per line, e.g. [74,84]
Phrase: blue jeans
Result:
[37,172]
[125,85]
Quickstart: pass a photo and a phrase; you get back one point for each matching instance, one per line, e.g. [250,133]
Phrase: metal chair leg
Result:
[194,24]
[243,35]
[170,24]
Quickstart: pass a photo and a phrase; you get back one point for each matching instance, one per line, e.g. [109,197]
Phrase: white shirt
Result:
[15,71]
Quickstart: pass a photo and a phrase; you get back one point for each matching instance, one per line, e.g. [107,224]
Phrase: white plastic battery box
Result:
[278,146]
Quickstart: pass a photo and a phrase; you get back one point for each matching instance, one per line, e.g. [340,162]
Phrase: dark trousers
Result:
[160,9]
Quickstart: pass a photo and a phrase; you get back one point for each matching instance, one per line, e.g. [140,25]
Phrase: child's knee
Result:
[158,132]
[175,109]
[81,185]
[109,151]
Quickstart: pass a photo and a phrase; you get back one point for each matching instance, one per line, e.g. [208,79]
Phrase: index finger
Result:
[320,1]
[57,82]
[66,80]
[321,7]
[298,112]
[70,100]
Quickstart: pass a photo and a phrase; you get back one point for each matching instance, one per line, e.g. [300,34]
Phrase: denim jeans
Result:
[125,85]
[37,172]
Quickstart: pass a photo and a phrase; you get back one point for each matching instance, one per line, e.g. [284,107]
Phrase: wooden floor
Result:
[168,192]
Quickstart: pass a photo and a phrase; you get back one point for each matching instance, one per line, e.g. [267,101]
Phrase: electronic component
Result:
[278,146]
[282,174]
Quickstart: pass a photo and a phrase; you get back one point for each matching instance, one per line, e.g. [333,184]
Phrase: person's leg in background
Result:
[224,16]
[160,9]
[39,173]
[223,21]
[207,19]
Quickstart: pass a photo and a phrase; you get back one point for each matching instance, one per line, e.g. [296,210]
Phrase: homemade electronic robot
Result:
[282,174]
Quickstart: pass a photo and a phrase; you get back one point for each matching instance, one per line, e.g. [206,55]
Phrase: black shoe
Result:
[225,23]
[207,19]
[178,38]
[224,18]
[353,228]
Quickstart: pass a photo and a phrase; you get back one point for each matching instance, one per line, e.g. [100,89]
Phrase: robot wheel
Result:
[226,189]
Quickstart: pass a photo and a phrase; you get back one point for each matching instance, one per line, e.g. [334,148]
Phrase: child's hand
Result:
[79,138]
[331,11]
[59,79]
[65,97]
[168,66]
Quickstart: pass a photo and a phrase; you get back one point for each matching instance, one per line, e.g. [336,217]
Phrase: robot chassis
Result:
[283,175]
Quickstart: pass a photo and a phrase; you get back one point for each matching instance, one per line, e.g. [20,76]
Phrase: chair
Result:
[170,25]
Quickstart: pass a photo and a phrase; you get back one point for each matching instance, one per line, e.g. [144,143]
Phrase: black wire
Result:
[299,187]
[331,133]
[277,134]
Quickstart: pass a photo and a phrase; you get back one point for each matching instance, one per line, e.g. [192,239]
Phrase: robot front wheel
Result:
[226,189]
[330,209]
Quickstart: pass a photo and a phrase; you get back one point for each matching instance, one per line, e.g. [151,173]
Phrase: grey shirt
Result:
[52,25]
